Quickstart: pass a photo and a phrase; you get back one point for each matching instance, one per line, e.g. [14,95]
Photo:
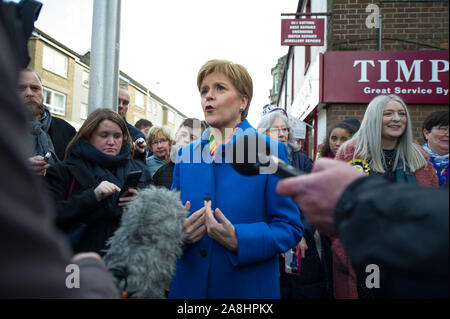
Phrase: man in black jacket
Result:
[395,233]
[49,133]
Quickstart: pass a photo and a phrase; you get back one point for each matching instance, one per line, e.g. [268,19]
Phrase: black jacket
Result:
[401,228]
[314,281]
[164,175]
[61,134]
[82,206]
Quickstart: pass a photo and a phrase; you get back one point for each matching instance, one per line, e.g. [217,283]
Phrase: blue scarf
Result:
[440,163]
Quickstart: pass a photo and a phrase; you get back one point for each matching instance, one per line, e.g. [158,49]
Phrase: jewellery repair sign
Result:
[418,77]
[302,31]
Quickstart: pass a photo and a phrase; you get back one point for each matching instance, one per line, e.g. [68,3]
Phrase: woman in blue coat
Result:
[236,225]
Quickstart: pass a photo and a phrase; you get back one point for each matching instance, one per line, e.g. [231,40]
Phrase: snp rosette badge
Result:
[360,164]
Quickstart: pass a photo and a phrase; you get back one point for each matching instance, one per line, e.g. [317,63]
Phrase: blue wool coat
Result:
[266,225]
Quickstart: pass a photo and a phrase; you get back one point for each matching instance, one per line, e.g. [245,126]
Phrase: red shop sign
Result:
[418,77]
[302,31]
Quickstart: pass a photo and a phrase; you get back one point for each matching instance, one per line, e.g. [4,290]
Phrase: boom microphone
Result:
[142,252]
[252,155]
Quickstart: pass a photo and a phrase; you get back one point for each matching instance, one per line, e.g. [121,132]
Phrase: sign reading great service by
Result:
[302,32]
[418,77]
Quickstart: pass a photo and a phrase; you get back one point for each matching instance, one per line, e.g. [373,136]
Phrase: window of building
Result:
[55,101]
[275,83]
[139,99]
[85,79]
[55,61]
[170,117]
[84,111]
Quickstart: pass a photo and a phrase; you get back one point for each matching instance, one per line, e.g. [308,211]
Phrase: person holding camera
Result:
[86,185]
[49,135]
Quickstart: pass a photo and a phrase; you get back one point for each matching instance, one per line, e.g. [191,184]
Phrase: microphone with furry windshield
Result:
[142,252]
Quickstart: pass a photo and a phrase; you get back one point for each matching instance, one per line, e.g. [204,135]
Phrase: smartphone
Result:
[47,156]
[292,262]
[139,141]
[131,182]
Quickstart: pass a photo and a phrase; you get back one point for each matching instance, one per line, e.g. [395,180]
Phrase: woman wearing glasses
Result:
[382,146]
[435,133]
[311,283]
[160,144]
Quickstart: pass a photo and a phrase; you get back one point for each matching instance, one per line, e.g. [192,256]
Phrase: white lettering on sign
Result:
[435,69]
[372,20]
[400,90]
[403,71]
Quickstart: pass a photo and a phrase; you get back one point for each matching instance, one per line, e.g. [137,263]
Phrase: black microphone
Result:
[143,251]
[251,155]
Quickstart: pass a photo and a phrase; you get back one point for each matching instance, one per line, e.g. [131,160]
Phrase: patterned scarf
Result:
[440,163]
[42,143]
[213,145]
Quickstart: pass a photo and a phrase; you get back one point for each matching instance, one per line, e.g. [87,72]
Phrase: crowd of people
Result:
[335,219]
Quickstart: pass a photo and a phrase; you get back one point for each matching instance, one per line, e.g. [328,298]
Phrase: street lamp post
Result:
[105,47]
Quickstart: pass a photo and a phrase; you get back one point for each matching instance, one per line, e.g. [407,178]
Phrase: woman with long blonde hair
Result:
[382,146]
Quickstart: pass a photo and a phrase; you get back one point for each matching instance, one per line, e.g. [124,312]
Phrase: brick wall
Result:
[423,24]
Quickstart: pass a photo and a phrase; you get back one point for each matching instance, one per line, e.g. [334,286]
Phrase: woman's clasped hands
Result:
[203,221]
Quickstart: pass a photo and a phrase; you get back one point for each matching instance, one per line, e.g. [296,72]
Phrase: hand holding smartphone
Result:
[131,182]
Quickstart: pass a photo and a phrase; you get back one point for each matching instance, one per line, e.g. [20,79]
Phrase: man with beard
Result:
[49,134]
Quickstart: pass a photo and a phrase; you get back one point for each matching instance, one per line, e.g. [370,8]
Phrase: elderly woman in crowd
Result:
[435,133]
[237,225]
[382,146]
[311,283]
[160,143]
[86,185]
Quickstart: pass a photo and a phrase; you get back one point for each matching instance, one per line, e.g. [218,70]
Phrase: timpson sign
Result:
[418,77]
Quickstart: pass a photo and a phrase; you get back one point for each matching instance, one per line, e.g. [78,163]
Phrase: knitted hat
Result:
[268,108]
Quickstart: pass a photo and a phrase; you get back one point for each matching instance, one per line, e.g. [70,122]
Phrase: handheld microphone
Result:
[252,156]
[143,251]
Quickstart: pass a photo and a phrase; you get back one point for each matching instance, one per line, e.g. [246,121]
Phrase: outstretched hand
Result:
[318,193]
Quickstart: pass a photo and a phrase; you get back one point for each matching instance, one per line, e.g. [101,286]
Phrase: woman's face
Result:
[221,102]
[337,137]
[437,139]
[107,138]
[394,121]
[160,147]
[279,131]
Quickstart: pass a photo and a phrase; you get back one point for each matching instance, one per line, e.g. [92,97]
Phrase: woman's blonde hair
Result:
[92,122]
[368,138]
[237,74]
[158,132]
